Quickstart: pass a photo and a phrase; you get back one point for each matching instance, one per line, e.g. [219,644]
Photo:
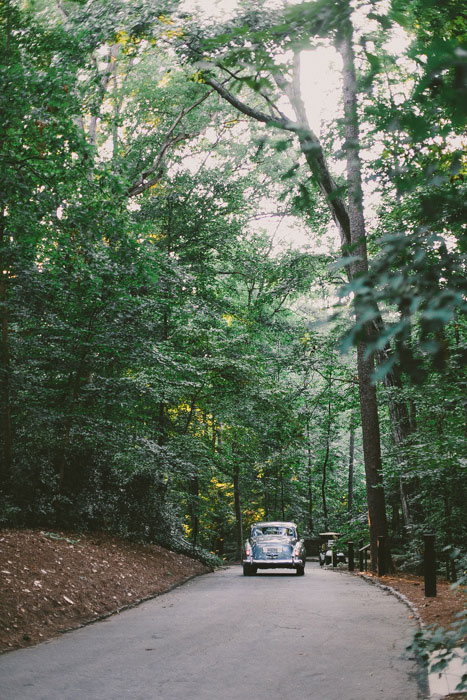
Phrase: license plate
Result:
[271,550]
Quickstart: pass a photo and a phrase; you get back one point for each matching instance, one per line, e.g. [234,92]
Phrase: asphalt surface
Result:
[275,636]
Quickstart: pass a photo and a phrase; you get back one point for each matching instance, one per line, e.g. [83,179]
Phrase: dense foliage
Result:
[168,370]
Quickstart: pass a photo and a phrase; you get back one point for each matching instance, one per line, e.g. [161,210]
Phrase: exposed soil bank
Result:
[52,582]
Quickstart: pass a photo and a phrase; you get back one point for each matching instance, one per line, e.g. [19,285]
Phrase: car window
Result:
[273,530]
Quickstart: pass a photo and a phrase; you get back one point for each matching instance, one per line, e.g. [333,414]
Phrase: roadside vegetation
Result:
[171,366]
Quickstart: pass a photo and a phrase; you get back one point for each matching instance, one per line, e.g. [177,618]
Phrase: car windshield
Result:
[260,531]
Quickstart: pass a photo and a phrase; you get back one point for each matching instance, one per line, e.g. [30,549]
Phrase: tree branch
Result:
[140,185]
[313,152]
[280,122]
[309,142]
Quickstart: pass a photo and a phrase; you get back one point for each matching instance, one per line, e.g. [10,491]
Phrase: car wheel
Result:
[249,570]
[300,570]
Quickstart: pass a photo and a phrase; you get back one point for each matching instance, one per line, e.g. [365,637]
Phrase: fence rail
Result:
[429,560]
[363,555]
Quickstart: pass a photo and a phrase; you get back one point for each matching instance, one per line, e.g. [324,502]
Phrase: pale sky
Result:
[320,78]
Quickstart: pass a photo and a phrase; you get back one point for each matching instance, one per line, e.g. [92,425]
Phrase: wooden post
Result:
[360,555]
[429,562]
[382,568]
[350,556]
[334,557]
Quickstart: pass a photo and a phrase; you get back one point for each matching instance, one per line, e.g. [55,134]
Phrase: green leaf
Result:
[374,62]
[290,172]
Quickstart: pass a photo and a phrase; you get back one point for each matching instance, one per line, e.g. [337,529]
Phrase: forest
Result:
[213,311]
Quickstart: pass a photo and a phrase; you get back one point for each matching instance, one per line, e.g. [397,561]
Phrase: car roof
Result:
[275,523]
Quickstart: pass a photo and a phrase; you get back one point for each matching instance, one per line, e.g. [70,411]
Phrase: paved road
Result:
[274,636]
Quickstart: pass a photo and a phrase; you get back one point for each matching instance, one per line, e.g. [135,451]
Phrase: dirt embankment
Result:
[51,582]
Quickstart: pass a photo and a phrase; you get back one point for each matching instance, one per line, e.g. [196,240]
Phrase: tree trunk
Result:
[69,419]
[371,451]
[310,488]
[5,408]
[238,511]
[194,494]
[401,429]
[325,465]
[349,220]
[396,524]
[282,495]
[266,489]
[351,225]
[451,574]
[351,469]
[276,500]
[365,363]
[161,424]
[413,415]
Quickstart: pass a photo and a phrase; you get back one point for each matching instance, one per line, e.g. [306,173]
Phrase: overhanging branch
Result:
[309,142]
[142,183]
[258,115]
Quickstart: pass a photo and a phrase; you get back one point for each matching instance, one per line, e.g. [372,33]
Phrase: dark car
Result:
[274,545]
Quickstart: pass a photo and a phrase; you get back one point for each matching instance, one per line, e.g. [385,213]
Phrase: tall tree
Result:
[348,216]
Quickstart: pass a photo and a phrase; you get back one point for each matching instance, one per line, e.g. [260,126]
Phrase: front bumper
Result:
[274,563]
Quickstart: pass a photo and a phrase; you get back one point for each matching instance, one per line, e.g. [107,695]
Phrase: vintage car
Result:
[274,545]
[328,540]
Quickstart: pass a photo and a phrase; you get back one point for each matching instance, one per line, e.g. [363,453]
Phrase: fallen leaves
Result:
[52,582]
[440,610]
